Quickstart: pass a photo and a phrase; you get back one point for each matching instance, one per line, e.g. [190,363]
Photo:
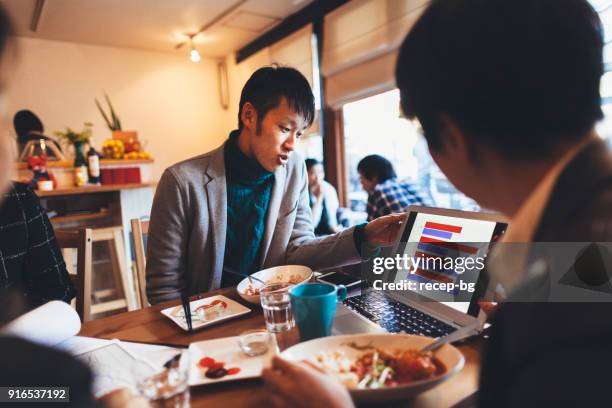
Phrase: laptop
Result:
[427,233]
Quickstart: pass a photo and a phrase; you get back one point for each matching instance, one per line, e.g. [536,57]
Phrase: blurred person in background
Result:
[386,194]
[29,127]
[323,200]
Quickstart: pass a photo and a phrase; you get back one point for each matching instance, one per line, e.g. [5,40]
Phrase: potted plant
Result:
[78,140]
[128,138]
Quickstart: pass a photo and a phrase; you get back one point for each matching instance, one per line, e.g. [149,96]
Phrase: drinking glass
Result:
[276,304]
[256,342]
[167,387]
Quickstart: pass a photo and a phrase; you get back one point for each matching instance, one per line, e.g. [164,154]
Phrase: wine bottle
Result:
[93,166]
[80,166]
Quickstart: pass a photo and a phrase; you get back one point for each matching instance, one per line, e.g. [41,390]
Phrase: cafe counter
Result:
[111,172]
[113,204]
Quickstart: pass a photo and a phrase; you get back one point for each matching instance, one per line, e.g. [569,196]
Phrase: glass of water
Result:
[276,304]
[166,387]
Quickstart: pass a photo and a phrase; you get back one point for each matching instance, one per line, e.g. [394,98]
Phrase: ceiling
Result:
[155,25]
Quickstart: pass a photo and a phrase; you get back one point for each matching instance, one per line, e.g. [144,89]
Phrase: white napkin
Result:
[48,324]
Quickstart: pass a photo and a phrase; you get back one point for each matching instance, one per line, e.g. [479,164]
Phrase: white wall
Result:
[172,102]
[238,74]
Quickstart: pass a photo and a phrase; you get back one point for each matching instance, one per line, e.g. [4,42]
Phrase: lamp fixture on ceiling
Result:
[194,54]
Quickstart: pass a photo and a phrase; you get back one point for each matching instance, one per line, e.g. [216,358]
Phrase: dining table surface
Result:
[149,325]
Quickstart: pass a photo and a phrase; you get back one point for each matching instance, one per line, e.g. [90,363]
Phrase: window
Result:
[604,128]
[311,144]
[374,125]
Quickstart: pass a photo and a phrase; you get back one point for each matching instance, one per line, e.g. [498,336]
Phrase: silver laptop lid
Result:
[430,234]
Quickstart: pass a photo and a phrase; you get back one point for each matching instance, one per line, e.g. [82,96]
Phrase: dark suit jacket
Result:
[558,354]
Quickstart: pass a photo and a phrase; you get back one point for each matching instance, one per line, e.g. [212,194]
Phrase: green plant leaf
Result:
[73,137]
[108,123]
[116,123]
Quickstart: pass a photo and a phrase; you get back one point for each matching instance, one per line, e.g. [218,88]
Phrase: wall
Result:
[172,102]
[238,74]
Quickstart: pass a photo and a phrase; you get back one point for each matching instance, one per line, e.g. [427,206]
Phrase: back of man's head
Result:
[310,163]
[376,167]
[519,76]
[265,88]
[26,121]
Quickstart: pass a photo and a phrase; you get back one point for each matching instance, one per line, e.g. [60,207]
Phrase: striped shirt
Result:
[393,196]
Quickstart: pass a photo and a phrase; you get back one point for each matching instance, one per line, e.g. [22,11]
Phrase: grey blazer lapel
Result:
[278,192]
[216,194]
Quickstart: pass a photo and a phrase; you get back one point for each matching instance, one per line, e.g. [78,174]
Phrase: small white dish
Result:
[255,342]
[227,351]
[294,274]
[205,312]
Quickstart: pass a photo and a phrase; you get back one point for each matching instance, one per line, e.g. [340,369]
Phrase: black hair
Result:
[26,121]
[521,76]
[268,85]
[376,166]
[310,163]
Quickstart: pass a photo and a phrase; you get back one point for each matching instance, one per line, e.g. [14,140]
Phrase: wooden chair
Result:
[80,240]
[113,236]
[139,229]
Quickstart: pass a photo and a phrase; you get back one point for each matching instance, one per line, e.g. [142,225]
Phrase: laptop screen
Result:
[447,254]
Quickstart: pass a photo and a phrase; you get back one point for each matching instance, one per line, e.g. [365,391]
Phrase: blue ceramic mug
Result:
[314,308]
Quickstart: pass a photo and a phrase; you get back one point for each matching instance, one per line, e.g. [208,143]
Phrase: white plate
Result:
[176,314]
[449,355]
[228,351]
[270,275]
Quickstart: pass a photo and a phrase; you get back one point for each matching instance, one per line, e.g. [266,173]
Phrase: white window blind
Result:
[361,39]
[295,51]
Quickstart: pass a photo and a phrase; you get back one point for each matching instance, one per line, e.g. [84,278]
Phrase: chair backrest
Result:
[79,239]
[139,229]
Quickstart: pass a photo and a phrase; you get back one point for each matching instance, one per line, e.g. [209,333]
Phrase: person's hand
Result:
[123,398]
[489,308]
[317,191]
[304,385]
[384,230]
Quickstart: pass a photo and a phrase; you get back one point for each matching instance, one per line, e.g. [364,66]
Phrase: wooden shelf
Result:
[124,162]
[92,189]
[80,217]
[103,162]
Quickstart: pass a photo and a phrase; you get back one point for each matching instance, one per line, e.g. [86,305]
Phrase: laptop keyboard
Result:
[396,317]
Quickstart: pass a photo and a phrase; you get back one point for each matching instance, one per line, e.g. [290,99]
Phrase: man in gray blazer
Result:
[244,206]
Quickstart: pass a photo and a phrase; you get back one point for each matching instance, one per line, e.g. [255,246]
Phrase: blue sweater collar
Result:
[239,167]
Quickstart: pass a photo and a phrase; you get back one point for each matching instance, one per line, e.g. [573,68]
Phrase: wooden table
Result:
[149,325]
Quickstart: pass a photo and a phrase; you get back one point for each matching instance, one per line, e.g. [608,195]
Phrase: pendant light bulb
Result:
[194,55]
